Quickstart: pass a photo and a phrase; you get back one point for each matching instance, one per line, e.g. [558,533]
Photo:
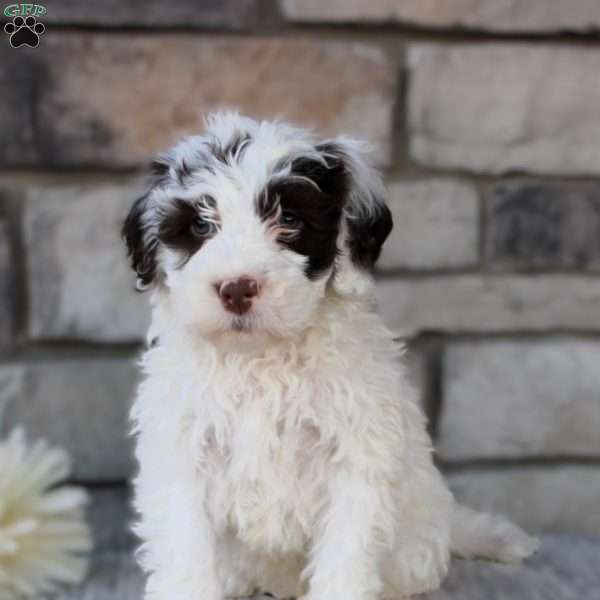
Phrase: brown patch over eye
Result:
[311,200]
[186,226]
[308,219]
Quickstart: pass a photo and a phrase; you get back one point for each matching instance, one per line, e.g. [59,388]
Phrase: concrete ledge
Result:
[565,569]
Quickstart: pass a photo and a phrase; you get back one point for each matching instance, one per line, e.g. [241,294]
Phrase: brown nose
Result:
[237,294]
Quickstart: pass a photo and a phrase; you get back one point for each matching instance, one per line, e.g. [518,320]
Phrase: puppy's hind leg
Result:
[491,537]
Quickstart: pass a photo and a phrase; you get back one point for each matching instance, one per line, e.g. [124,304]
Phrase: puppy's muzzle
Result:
[237,295]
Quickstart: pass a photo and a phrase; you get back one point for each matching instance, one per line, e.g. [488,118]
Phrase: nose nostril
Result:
[250,288]
[237,294]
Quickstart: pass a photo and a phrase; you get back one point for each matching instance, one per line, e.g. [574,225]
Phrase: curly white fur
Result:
[291,456]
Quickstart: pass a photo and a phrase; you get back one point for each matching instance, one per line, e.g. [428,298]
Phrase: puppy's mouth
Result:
[242,324]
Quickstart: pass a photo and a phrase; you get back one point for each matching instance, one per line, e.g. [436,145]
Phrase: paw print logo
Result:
[24,32]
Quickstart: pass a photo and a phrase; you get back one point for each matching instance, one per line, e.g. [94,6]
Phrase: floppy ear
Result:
[140,229]
[141,244]
[367,221]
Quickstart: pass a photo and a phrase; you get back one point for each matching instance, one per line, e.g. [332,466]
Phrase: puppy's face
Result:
[245,228]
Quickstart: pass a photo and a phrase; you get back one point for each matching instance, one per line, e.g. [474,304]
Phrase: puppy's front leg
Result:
[188,570]
[343,564]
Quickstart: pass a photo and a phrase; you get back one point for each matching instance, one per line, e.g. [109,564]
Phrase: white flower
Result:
[43,534]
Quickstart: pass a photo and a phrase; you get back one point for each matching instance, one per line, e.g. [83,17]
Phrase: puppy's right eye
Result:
[290,219]
[202,228]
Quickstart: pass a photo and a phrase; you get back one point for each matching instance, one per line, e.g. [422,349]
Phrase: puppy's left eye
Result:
[290,219]
[201,228]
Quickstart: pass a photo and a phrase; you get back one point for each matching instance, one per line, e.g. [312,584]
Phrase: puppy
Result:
[280,446]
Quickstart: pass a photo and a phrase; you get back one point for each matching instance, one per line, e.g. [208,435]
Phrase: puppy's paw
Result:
[512,545]
[489,537]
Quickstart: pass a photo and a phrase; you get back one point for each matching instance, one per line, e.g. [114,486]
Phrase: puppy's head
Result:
[248,227]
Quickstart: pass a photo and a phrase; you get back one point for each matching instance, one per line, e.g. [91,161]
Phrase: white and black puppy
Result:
[280,445]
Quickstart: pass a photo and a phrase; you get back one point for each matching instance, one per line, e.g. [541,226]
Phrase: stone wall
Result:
[486,119]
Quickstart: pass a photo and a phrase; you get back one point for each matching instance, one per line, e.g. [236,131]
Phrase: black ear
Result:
[141,244]
[368,220]
[366,235]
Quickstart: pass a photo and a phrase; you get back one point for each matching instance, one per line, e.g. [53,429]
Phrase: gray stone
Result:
[436,225]
[184,13]
[6,283]
[520,398]
[79,404]
[80,283]
[490,15]
[566,568]
[543,225]
[479,303]
[421,371]
[22,76]
[558,499]
[87,91]
[112,576]
[110,516]
[498,107]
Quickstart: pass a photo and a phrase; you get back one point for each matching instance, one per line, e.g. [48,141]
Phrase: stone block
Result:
[436,225]
[114,100]
[482,303]
[498,108]
[80,283]
[542,226]
[488,15]
[558,499]
[79,404]
[525,398]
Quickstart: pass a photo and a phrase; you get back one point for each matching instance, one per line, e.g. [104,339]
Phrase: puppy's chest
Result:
[267,462]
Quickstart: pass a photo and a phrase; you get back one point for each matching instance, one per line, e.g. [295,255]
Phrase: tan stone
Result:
[117,99]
